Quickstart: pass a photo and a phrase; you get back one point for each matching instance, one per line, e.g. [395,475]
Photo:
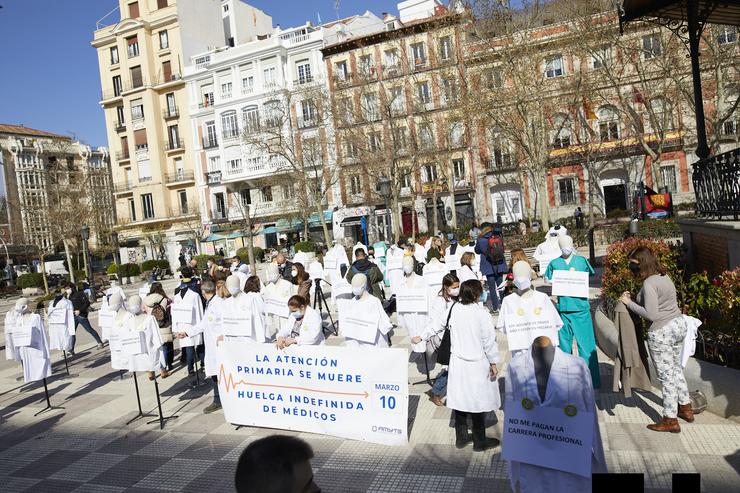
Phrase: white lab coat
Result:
[434,272]
[119,360]
[533,305]
[114,290]
[420,253]
[394,276]
[473,349]
[254,305]
[465,273]
[568,375]
[310,332]
[367,304]
[152,359]
[191,298]
[301,258]
[414,322]
[61,329]
[547,251]
[243,276]
[210,327]
[281,289]
[437,317]
[337,253]
[144,290]
[35,357]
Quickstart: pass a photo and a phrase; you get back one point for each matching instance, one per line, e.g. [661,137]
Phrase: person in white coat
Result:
[394,266]
[334,259]
[118,330]
[276,290]
[304,326]
[568,383]
[466,272]
[61,321]
[371,307]
[25,341]
[472,389]
[416,322]
[354,249]
[243,312]
[148,356]
[187,311]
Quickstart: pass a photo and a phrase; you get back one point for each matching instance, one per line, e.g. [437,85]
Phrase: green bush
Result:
[30,280]
[133,270]
[148,265]
[243,254]
[112,268]
[617,213]
[203,260]
[128,270]
[305,246]
[163,264]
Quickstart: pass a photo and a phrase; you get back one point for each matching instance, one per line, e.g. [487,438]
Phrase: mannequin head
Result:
[522,275]
[542,341]
[233,285]
[134,304]
[21,306]
[359,283]
[272,273]
[408,265]
[115,302]
[566,245]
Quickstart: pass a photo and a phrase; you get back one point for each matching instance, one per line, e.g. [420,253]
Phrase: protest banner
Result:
[526,319]
[183,313]
[330,263]
[570,283]
[548,437]
[412,300]
[361,394]
[277,306]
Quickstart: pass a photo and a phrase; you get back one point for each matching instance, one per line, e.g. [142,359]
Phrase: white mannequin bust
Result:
[359,281]
[134,308]
[233,285]
[22,310]
[522,270]
[566,247]
[408,266]
[115,303]
[272,274]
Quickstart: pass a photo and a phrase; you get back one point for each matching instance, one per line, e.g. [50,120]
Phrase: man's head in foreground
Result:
[276,464]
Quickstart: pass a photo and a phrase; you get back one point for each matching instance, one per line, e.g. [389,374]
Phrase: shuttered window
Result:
[133,10]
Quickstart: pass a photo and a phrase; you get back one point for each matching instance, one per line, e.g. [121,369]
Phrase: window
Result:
[121,119]
[171,105]
[245,197]
[561,131]
[220,211]
[268,76]
[266,193]
[341,70]
[494,78]
[668,177]
[207,95]
[133,10]
[429,173]
[602,57]
[124,147]
[247,84]
[304,72]
[345,110]
[174,137]
[251,119]
[140,140]
[422,91]
[182,196]
[397,100]
[426,136]
[370,107]
[114,55]
[731,127]
[449,90]
[367,68]
[500,152]
[445,48]
[229,125]
[457,134]
[137,109]
[390,58]
[405,178]
[355,185]
[418,55]
[117,86]
[147,205]
[214,164]
[288,192]
[726,35]
[458,169]
[136,79]
[226,90]
[350,149]
[661,112]
[374,141]
[400,139]
[308,111]
[273,114]
[210,134]
[651,46]
[554,66]
[226,8]
[164,40]
[567,191]
[133,46]
[161,4]
[234,166]
[132,210]
[608,124]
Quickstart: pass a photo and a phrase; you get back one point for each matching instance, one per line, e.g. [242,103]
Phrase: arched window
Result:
[229,125]
[608,123]
[251,119]
[561,133]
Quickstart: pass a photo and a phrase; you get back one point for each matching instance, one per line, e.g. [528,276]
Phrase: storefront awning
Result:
[288,225]
[315,222]
[214,237]
[351,221]
[269,230]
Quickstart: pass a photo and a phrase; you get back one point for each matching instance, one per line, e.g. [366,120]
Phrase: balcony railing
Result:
[308,122]
[209,142]
[124,186]
[218,214]
[303,80]
[123,156]
[343,80]
[173,145]
[130,85]
[183,210]
[180,176]
[717,185]
[111,94]
[392,70]
[213,177]
[167,78]
[120,126]
[171,112]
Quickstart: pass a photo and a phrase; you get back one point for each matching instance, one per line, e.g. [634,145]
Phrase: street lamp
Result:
[85,234]
[384,189]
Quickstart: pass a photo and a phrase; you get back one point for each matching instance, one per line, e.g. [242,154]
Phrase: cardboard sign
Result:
[570,283]
[412,300]
[330,263]
[183,314]
[106,318]
[394,262]
[341,288]
[357,323]
[433,279]
[452,262]
[277,306]
[544,261]
[58,316]
[237,324]
[522,331]
[547,437]
[133,344]
[114,341]
[22,335]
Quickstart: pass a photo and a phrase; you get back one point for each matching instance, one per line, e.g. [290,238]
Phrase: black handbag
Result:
[443,353]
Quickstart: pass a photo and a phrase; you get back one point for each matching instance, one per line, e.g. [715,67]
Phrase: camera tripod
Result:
[318,299]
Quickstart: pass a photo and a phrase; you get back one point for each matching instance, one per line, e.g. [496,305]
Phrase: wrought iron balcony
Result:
[171,112]
[213,177]
[717,185]
[123,186]
[180,176]
[172,145]
[123,155]
[210,142]
[120,126]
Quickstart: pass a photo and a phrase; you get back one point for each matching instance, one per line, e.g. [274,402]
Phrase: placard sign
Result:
[393,262]
[547,437]
[357,324]
[570,283]
[522,330]
[22,335]
[330,263]
[412,300]
[452,262]
[544,261]
[133,343]
[355,393]
[277,306]
[183,314]
[58,316]
[237,324]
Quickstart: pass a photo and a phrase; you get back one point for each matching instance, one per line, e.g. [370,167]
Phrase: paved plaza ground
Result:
[87,446]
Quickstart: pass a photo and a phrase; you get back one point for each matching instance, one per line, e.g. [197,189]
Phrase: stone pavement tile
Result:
[130,442]
[657,467]
[15,485]
[129,471]
[710,439]
[212,447]
[718,474]
[15,458]
[98,488]
[199,423]
[365,456]
[169,444]
[488,464]
[50,464]
[637,437]
[481,485]
[323,449]
[437,459]
[218,477]
[54,486]
[89,467]
[340,480]
[413,483]
[174,475]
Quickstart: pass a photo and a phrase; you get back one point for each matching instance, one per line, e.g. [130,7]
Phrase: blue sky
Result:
[50,77]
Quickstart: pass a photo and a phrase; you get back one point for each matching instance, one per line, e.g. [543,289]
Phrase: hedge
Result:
[128,270]
[203,260]
[30,280]
[305,246]
[112,268]
[148,265]
[243,254]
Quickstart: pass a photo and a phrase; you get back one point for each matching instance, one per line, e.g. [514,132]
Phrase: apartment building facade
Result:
[41,170]
[270,89]
[141,59]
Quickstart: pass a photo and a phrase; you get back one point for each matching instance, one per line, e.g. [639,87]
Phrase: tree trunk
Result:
[395,215]
[250,244]
[320,212]
[544,209]
[413,218]
[452,197]
[591,211]
[435,212]
[43,275]
[69,262]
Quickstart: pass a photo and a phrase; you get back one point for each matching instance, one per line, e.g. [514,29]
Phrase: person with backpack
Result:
[364,266]
[490,247]
[157,304]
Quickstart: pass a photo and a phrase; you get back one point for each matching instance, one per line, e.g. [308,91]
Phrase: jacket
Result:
[80,302]
[304,290]
[374,276]
[481,248]
[630,364]
[285,271]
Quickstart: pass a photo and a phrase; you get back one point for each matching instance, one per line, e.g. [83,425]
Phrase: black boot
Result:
[462,437]
[480,441]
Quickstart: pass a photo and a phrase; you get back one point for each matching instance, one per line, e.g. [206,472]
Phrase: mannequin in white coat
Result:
[415,323]
[546,376]
[364,302]
[118,360]
[33,352]
[276,288]
[249,305]
[151,359]
[61,322]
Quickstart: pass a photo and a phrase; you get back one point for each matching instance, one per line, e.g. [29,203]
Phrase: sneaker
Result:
[100,346]
[212,408]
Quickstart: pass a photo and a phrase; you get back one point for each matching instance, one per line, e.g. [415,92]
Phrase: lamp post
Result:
[85,234]
[384,189]
[116,253]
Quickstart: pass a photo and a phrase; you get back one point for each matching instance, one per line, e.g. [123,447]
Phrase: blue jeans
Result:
[168,350]
[440,383]
[85,325]
[216,397]
[493,281]
[190,356]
